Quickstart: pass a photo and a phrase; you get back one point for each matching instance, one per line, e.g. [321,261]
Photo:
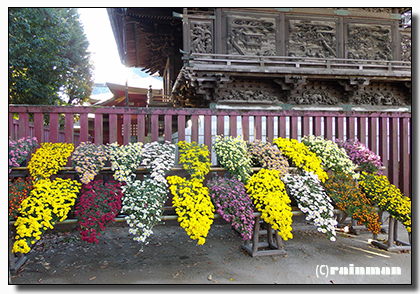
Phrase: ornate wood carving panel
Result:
[201,37]
[312,38]
[406,47]
[369,41]
[248,35]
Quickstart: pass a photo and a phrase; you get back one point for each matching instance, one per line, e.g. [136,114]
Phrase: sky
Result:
[97,27]
[108,67]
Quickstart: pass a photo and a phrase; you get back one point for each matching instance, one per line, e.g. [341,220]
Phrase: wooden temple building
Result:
[283,57]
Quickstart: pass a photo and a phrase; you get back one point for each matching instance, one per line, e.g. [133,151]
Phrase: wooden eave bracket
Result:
[354,83]
[291,82]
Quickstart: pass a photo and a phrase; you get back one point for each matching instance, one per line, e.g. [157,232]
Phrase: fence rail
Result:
[388,134]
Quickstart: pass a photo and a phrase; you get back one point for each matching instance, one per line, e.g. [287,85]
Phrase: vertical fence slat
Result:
[12,134]
[54,126]
[328,127]
[258,127]
[393,151]
[194,128]
[84,127]
[220,125]
[282,126]
[207,131]
[181,128]
[98,129]
[141,127]
[126,128]
[294,127]
[404,158]
[245,127]
[168,127]
[339,127]
[361,129]
[317,126]
[69,128]
[155,127]
[23,125]
[113,128]
[270,129]
[383,143]
[372,134]
[350,128]
[305,126]
[39,126]
[233,119]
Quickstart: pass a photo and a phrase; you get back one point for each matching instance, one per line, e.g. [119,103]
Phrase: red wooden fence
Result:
[385,133]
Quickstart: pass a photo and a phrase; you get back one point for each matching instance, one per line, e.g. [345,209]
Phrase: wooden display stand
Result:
[273,245]
[394,244]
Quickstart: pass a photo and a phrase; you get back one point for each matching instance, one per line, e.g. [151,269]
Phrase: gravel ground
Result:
[172,257]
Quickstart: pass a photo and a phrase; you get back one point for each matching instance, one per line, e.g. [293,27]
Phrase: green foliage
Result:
[49,62]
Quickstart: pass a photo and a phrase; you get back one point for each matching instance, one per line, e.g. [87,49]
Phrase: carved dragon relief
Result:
[201,37]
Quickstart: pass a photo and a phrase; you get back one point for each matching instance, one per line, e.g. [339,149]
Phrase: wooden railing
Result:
[388,134]
[299,65]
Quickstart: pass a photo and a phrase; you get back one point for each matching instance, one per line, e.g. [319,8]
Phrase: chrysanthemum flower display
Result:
[49,201]
[88,159]
[333,157]
[313,201]
[232,154]
[193,206]
[19,189]
[99,203]
[48,159]
[233,204]
[125,159]
[348,196]
[268,156]
[143,200]
[270,198]
[194,158]
[19,150]
[387,196]
[190,198]
[301,156]
[361,155]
